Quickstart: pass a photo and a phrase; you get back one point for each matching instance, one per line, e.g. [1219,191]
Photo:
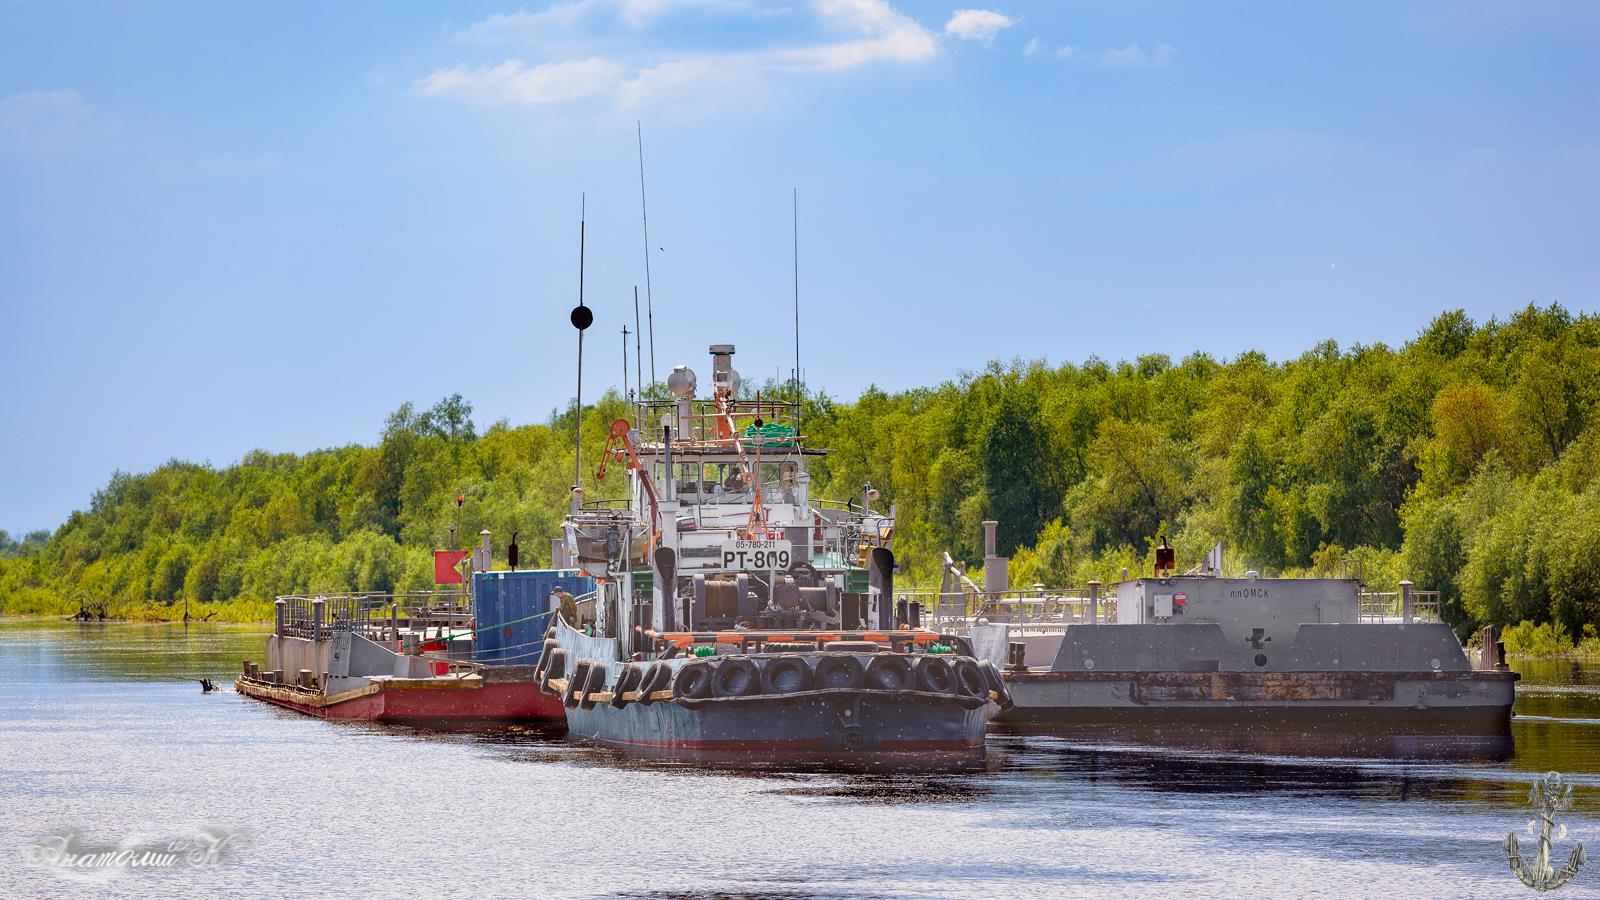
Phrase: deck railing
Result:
[1389,606]
[1053,607]
[1049,607]
[649,413]
[316,616]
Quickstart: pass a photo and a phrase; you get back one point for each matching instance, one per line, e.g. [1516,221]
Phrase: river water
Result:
[107,742]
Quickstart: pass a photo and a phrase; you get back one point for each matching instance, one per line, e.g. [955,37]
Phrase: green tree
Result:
[1018,471]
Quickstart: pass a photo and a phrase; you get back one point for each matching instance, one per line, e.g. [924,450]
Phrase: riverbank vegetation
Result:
[1549,639]
[1467,460]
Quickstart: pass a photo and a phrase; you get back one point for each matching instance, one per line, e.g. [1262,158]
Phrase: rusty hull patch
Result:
[1159,687]
[1262,686]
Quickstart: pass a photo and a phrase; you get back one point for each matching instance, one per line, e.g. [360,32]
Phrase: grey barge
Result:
[1277,654]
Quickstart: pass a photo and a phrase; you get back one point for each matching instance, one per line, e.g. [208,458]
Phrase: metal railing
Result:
[1035,608]
[317,616]
[1390,606]
[649,413]
[606,504]
[1349,568]
[1055,607]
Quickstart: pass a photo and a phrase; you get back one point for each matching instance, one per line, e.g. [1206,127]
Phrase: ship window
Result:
[726,478]
[690,488]
[778,481]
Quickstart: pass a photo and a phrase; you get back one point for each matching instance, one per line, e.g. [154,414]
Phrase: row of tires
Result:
[752,676]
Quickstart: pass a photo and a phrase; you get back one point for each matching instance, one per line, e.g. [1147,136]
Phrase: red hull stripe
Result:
[522,701]
[807,745]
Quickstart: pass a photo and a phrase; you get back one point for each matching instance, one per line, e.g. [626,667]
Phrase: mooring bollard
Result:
[1406,612]
[1094,602]
[278,613]
[1016,655]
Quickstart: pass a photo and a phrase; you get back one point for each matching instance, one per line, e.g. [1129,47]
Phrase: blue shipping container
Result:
[506,604]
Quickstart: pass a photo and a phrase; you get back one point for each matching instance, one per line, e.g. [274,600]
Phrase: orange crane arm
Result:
[620,434]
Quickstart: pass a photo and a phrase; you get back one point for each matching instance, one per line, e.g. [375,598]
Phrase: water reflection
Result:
[107,732]
[1456,747]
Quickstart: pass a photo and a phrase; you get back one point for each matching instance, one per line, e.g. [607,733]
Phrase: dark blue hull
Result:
[837,725]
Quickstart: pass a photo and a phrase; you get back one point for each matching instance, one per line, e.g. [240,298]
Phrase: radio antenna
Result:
[638,356]
[644,215]
[581,318]
[798,396]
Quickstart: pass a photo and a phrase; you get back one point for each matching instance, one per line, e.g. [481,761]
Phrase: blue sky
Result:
[227,226]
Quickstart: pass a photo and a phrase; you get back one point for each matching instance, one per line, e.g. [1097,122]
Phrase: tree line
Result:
[1467,460]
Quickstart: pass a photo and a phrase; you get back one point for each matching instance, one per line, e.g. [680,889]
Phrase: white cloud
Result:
[886,35]
[977,25]
[1065,52]
[49,123]
[1033,48]
[513,82]
[1134,57]
[518,26]
[870,31]
[638,12]
[697,85]
[522,26]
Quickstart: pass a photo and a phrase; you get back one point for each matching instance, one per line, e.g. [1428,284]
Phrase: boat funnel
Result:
[996,568]
[722,373]
[880,587]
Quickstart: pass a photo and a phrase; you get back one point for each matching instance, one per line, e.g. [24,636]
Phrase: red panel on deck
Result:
[444,566]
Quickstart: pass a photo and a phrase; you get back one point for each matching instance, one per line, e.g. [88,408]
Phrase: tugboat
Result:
[738,619]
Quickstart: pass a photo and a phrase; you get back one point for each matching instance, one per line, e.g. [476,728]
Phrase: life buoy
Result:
[785,675]
[736,676]
[935,675]
[969,678]
[580,675]
[890,672]
[693,681]
[839,672]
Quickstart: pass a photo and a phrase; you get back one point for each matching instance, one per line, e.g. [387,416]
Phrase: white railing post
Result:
[1406,611]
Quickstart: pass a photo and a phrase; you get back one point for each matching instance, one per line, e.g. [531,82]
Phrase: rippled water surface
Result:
[106,733]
